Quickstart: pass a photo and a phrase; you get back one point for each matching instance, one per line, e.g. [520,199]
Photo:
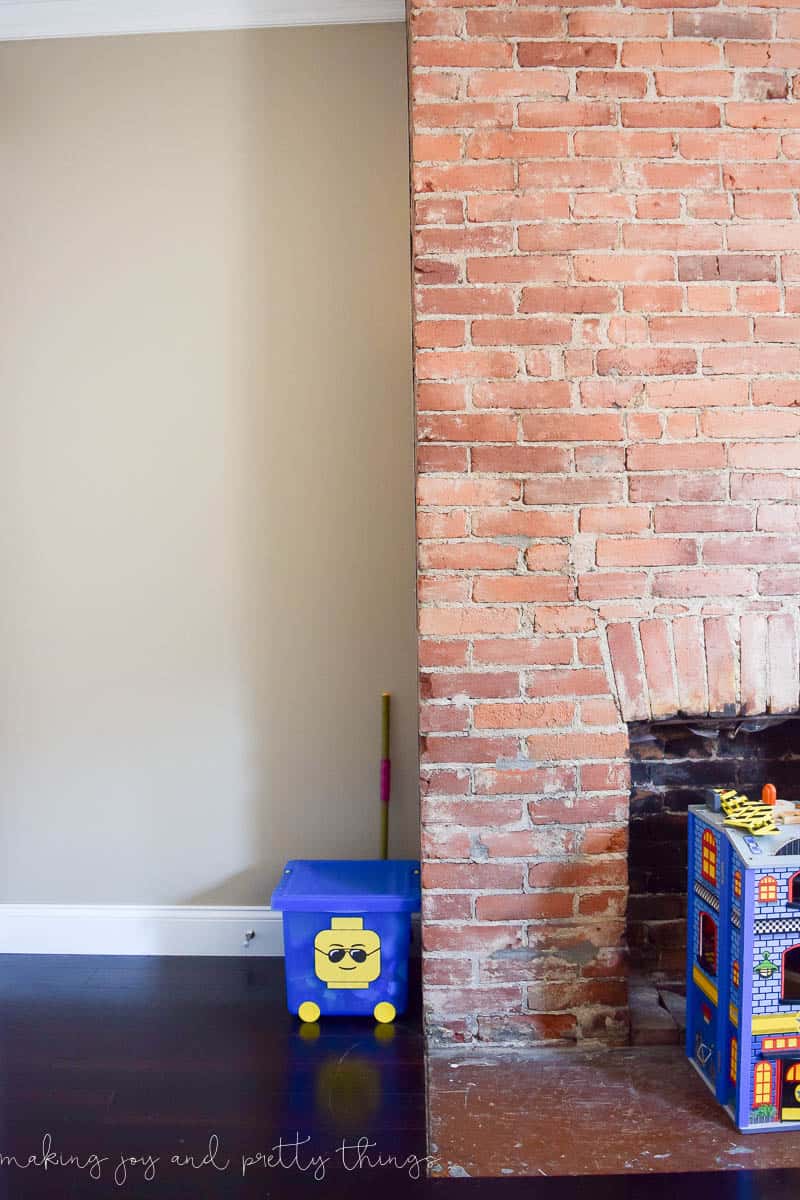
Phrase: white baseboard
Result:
[94,18]
[158,929]
[140,929]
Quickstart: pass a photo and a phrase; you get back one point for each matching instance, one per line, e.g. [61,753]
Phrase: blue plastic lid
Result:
[348,885]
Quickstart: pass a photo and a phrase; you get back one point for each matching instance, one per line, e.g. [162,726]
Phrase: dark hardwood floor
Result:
[196,1061]
[196,1064]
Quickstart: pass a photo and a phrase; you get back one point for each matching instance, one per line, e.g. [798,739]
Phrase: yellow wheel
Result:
[308,1011]
[384,1012]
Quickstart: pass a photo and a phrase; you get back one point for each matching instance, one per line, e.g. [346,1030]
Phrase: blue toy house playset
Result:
[743,968]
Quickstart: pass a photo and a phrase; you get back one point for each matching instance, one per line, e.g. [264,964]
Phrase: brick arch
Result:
[723,665]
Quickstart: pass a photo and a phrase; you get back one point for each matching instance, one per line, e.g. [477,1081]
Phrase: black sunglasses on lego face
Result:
[357,953]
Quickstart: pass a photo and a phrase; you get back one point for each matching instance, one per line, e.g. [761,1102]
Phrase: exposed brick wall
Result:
[608,266]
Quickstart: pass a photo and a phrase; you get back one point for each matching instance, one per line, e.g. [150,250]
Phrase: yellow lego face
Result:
[347,955]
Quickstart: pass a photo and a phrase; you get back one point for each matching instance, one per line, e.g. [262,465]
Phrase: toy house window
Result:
[737,883]
[735,973]
[790,989]
[767,890]
[733,1060]
[762,1084]
[708,860]
[707,945]
[794,889]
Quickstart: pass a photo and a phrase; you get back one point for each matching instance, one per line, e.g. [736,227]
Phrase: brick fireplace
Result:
[607,311]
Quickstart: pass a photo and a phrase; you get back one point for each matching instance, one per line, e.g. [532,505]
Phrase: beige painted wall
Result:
[205,460]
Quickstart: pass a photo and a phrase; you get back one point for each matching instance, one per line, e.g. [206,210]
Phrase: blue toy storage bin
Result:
[346,935]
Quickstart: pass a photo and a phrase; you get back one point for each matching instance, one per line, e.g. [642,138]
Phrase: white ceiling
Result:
[20,19]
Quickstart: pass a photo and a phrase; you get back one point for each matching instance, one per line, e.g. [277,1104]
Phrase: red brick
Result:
[779,518]
[572,490]
[519,460]
[521,268]
[576,747]
[523,715]
[524,651]
[551,393]
[670,53]
[657,655]
[624,268]
[439,397]
[761,116]
[454,622]
[623,144]
[699,329]
[752,548]
[703,518]
[444,783]
[453,589]
[435,211]
[780,582]
[522,523]
[454,492]
[769,206]
[749,267]
[526,907]
[575,682]
[520,331]
[605,777]
[583,235]
[565,114]
[753,26]
[625,519]
[466,177]
[474,364]
[459,53]
[470,555]
[516,83]
[628,674]
[451,524]
[564,620]
[516,24]
[472,876]
[612,84]
[525,781]
[467,427]
[689,457]
[721,664]
[683,487]
[657,115]
[616,24]
[465,749]
[646,552]
[769,486]
[464,115]
[568,299]
[686,584]
[696,393]
[694,83]
[517,144]
[612,585]
[659,361]
[541,427]
[754,662]
[521,589]
[566,54]
[485,939]
[442,654]
[690,662]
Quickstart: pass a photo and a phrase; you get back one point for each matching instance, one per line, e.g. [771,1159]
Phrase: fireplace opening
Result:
[672,762]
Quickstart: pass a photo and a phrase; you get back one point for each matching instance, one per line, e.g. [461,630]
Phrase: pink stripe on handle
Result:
[386,779]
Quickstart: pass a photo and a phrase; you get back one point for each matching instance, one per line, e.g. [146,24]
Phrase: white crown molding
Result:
[140,929]
[23,19]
